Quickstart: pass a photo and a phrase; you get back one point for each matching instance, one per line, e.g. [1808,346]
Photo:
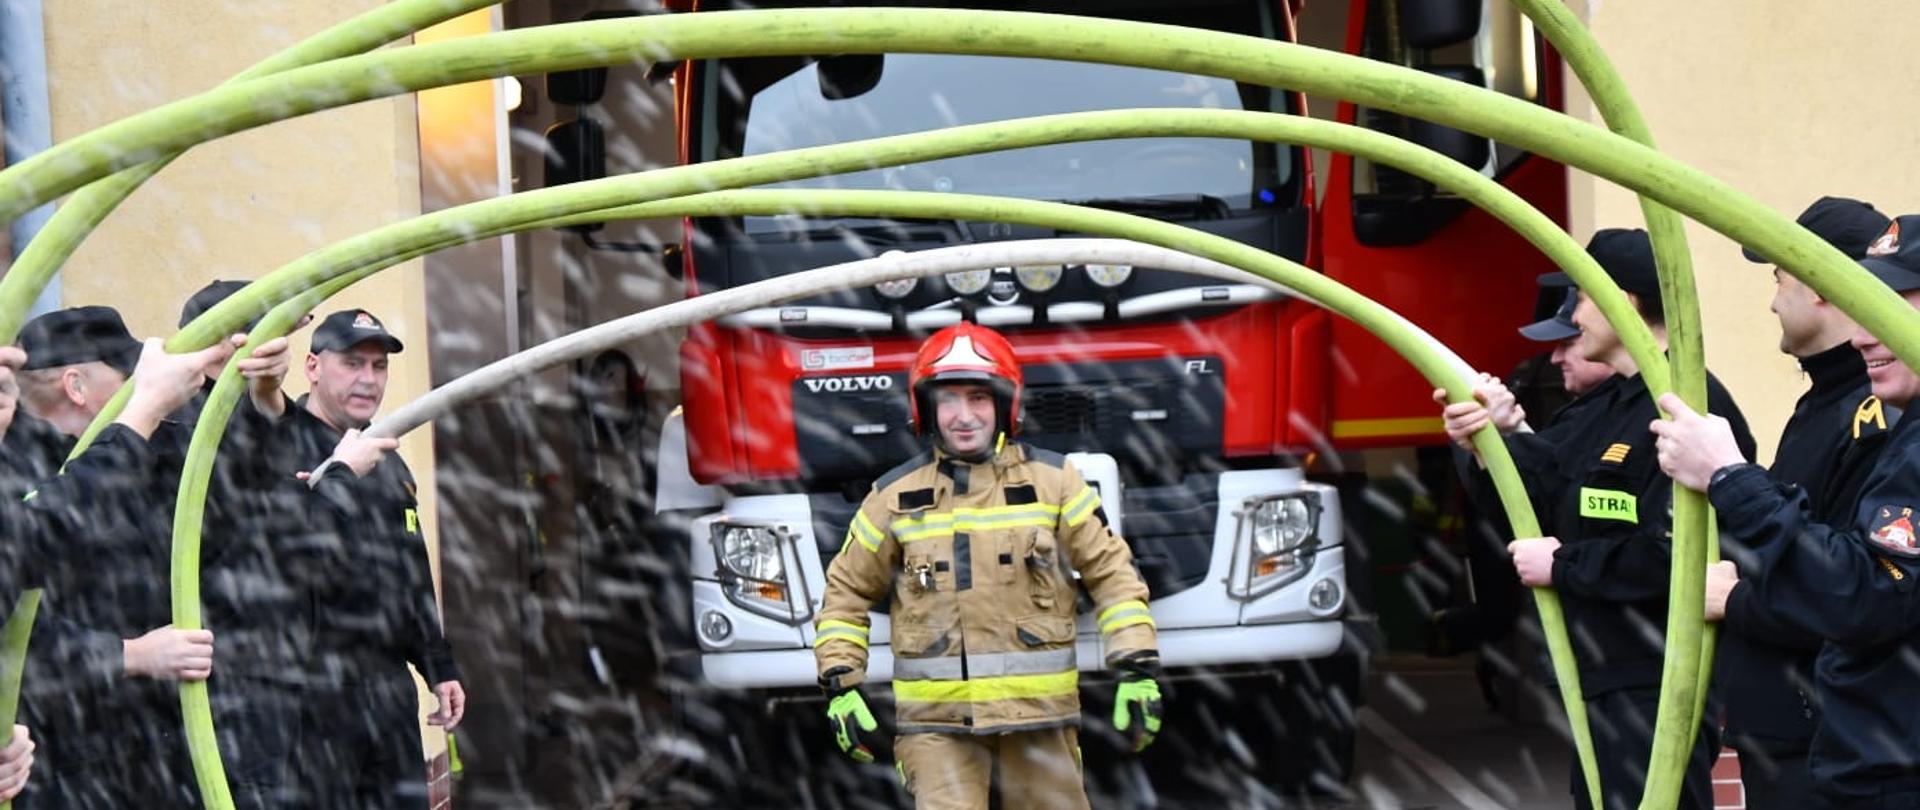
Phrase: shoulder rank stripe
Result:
[1616,453]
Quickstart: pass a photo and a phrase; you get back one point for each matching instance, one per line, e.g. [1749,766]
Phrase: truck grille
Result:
[1062,410]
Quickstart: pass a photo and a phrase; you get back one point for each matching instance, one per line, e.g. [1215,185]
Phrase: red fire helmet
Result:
[965,352]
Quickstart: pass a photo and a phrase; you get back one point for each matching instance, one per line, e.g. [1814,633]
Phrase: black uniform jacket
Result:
[1854,585]
[1611,509]
[1766,660]
[1536,455]
[379,612]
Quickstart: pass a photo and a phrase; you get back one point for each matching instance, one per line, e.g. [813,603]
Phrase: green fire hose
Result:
[1687,668]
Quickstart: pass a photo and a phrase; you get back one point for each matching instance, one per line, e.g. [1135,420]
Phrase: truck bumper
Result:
[1186,647]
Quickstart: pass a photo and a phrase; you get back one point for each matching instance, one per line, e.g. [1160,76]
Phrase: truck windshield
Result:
[767,105]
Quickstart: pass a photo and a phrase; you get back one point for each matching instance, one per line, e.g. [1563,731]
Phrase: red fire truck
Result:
[1199,425]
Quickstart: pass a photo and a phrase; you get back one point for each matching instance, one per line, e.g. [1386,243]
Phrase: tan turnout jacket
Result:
[979,560]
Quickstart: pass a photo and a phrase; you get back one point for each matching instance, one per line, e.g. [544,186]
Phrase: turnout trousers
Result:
[1032,769]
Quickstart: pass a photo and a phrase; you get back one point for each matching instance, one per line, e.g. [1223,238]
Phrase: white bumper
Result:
[1200,646]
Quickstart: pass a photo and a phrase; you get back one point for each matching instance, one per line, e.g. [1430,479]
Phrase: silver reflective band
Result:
[984,665]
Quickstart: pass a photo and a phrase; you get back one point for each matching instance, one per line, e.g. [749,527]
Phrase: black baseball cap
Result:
[348,328]
[1559,326]
[79,335]
[1847,224]
[1627,256]
[1893,260]
[208,296]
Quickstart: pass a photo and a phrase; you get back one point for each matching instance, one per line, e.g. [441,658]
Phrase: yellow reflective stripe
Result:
[1128,620]
[1081,506]
[1609,504]
[835,629]
[970,519]
[863,529]
[824,638]
[987,690]
[828,625]
[1130,604]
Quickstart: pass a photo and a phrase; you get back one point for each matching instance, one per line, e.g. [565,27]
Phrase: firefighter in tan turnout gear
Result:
[977,540]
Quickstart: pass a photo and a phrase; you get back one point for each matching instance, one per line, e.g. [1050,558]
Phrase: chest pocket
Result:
[1040,556]
[1610,491]
[923,586]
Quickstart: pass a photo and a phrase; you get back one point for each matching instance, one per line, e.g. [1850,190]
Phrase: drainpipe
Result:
[27,114]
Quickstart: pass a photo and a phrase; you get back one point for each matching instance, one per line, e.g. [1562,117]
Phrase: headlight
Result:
[753,568]
[1039,277]
[1279,526]
[896,289]
[969,282]
[1278,537]
[1109,275]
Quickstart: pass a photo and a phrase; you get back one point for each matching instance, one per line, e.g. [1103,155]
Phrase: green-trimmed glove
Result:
[1136,706]
[848,712]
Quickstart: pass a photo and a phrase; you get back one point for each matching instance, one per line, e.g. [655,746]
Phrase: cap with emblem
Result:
[1559,326]
[1627,256]
[348,328]
[1850,225]
[1894,261]
[79,335]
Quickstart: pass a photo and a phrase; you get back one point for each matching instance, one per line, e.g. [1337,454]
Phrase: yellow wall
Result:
[1785,101]
[245,205]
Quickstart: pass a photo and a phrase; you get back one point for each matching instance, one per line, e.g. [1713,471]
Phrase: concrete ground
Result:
[1428,741]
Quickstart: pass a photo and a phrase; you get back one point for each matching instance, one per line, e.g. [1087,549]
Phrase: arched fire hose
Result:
[741,300]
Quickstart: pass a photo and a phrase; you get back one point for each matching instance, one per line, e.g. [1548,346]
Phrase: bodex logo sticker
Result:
[847,385]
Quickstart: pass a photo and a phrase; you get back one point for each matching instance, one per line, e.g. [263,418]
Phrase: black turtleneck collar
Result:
[1838,367]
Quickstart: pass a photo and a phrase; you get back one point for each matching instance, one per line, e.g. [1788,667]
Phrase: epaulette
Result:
[890,477]
[1871,417]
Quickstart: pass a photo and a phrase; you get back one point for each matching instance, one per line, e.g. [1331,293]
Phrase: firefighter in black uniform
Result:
[1607,507]
[1826,449]
[1851,583]
[362,744]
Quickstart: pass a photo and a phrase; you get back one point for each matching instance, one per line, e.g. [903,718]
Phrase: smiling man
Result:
[1849,581]
[975,543]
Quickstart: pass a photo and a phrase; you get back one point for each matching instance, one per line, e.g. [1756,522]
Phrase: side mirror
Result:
[844,77]
[1439,23]
[577,87]
[576,151]
[1466,147]
[585,86]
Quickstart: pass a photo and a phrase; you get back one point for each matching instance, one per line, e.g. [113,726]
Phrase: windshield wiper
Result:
[1163,206]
